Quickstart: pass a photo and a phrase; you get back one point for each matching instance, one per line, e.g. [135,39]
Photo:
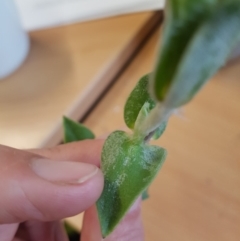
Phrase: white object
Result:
[14,43]
[37,14]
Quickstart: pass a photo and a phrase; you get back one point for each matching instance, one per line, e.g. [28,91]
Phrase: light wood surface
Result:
[66,70]
[196,196]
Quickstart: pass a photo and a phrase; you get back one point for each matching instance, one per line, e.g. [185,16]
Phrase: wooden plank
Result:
[66,71]
[196,196]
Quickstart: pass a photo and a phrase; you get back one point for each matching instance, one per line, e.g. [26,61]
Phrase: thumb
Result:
[130,228]
[35,188]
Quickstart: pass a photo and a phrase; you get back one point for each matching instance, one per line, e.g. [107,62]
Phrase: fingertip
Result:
[88,151]
[70,199]
[37,188]
[35,198]
[91,229]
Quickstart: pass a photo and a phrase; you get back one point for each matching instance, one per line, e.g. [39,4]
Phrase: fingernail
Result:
[63,171]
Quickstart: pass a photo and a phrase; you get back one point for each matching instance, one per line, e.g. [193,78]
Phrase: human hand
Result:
[40,187]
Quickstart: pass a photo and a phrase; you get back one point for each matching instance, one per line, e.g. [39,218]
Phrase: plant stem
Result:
[158,115]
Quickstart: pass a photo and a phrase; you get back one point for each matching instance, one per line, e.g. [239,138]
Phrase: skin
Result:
[40,187]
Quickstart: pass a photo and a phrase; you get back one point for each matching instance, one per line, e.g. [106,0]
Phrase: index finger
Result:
[88,151]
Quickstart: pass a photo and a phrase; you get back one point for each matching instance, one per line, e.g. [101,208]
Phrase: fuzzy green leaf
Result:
[74,131]
[198,37]
[128,167]
[138,97]
[182,19]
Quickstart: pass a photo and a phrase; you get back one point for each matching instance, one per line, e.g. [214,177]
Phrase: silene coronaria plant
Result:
[197,39]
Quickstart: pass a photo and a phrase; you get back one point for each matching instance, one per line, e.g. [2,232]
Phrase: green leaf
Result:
[197,39]
[128,167]
[74,131]
[138,97]
[183,17]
